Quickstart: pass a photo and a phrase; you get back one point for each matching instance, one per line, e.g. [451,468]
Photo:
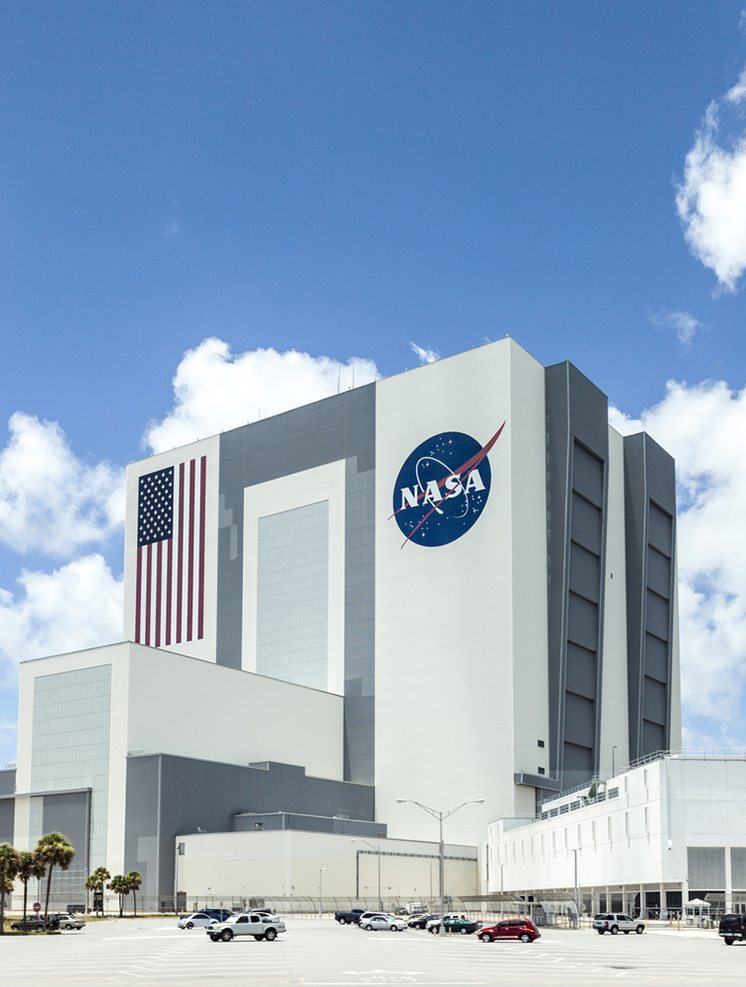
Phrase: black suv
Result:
[732,927]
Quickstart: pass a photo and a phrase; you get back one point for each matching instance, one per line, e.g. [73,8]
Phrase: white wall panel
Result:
[195,709]
[445,616]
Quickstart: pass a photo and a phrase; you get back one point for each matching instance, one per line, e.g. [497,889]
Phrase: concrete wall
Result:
[241,865]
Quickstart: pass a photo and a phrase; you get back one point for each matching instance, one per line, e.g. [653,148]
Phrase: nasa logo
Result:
[442,488]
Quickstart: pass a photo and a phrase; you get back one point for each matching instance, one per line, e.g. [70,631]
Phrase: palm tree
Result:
[120,885]
[95,882]
[31,865]
[55,850]
[9,862]
[135,883]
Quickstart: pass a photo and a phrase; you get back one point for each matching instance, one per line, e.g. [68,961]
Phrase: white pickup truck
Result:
[247,924]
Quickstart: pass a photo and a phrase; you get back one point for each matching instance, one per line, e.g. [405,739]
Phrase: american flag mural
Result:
[170,588]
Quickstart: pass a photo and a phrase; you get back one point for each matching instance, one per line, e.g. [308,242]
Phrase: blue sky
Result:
[342,179]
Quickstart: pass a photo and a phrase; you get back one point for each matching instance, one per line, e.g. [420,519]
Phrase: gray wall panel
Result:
[585,573]
[582,674]
[577,454]
[339,428]
[7,781]
[650,536]
[706,867]
[7,820]
[70,814]
[168,796]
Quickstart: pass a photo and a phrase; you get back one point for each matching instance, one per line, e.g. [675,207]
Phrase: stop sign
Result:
[36,906]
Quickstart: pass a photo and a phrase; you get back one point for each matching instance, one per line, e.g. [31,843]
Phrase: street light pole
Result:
[321,874]
[577,904]
[378,852]
[440,815]
[613,761]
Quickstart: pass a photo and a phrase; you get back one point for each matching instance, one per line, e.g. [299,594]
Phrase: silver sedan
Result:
[382,921]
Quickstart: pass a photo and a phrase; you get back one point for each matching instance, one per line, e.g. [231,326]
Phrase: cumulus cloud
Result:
[78,605]
[711,198]
[50,501]
[424,355]
[215,390]
[704,427]
[682,324]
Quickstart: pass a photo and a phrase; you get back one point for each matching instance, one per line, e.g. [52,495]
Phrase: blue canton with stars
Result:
[434,522]
[155,507]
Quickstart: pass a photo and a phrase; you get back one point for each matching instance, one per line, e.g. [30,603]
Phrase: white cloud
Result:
[711,198]
[738,92]
[683,324]
[76,606]
[704,427]
[215,390]
[424,355]
[51,501]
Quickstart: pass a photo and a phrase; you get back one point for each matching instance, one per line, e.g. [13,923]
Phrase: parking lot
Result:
[321,953]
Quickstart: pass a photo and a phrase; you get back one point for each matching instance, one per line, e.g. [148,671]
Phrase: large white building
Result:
[453,584]
[668,830]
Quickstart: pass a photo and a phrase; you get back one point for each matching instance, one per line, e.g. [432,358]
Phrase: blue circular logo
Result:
[442,488]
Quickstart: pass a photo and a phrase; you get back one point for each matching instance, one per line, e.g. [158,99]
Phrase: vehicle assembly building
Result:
[457,583]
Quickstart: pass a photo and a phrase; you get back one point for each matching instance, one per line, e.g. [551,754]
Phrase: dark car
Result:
[35,923]
[732,928]
[514,928]
[349,918]
[219,914]
[420,921]
[455,924]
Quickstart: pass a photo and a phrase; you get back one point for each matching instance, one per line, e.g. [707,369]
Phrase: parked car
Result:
[379,921]
[615,922]
[463,926]
[261,911]
[436,920]
[420,921]
[35,923]
[349,918]
[732,928]
[67,921]
[514,928]
[261,927]
[195,920]
[219,914]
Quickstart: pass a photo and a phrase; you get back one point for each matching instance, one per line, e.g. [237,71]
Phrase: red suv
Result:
[513,928]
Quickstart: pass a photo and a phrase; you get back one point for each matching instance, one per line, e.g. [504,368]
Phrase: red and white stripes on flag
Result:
[170,587]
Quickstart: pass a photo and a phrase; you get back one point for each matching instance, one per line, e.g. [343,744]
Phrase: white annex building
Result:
[452,585]
[667,831]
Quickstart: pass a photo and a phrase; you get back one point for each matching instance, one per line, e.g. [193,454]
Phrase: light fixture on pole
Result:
[377,850]
[440,815]
[321,875]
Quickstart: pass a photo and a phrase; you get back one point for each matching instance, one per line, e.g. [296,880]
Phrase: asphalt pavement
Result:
[321,953]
